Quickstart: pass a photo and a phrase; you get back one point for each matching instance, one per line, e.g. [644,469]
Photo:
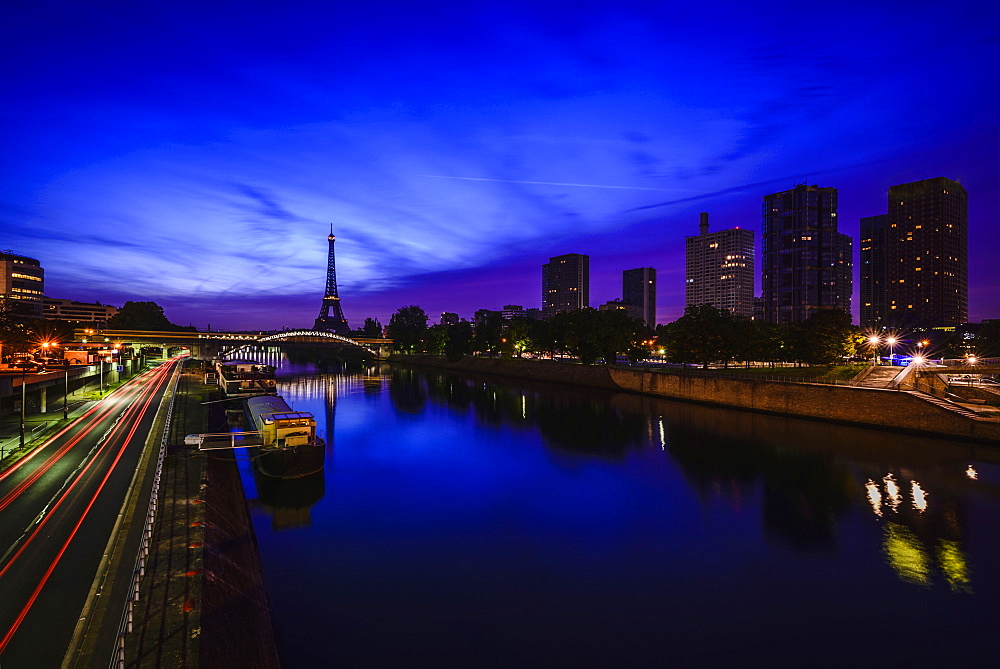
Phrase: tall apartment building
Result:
[639,291]
[807,262]
[565,284]
[872,272]
[918,257]
[719,269]
[22,280]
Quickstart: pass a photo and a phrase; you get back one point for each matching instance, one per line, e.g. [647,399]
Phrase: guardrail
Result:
[139,571]
[734,374]
[28,438]
[971,363]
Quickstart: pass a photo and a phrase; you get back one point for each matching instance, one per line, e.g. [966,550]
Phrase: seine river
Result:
[464,522]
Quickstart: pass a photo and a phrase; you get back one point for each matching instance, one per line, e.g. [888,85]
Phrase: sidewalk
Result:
[37,427]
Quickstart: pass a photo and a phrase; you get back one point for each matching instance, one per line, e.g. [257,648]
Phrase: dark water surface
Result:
[468,522]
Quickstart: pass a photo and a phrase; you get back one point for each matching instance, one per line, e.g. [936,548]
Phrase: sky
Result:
[197,155]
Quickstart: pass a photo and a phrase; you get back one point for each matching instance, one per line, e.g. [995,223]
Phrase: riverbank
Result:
[872,407]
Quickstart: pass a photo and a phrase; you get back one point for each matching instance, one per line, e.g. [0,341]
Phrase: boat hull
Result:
[290,463]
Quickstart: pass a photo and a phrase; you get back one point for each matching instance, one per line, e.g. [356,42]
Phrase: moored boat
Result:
[289,446]
[245,377]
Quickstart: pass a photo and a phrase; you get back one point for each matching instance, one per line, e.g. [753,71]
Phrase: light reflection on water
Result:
[470,522]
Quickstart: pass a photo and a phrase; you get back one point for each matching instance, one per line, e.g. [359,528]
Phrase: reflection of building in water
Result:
[289,501]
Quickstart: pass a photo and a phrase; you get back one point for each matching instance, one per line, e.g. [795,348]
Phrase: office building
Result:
[22,280]
[621,305]
[806,261]
[76,312]
[565,284]
[719,269]
[639,291]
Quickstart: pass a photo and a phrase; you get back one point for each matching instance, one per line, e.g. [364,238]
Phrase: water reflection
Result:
[572,420]
[289,502]
[468,513]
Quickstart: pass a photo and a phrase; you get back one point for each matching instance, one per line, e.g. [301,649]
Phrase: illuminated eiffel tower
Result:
[331,316]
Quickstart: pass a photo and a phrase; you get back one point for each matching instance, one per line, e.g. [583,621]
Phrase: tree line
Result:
[701,336]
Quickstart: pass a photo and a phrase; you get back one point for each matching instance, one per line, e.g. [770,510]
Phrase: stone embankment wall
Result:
[865,406]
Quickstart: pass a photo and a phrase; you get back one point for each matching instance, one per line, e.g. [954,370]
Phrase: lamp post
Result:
[874,341]
[891,341]
[66,393]
[24,400]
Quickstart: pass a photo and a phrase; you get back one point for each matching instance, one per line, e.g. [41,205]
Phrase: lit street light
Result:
[891,341]
[874,341]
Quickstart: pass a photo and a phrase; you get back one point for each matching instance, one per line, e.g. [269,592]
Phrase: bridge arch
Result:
[303,336]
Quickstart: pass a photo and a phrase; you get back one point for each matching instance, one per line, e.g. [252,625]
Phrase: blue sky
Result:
[196,154]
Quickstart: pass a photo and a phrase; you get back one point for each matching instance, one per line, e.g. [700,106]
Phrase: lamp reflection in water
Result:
[874,497]
[971,472]
[919,497]
[892,491]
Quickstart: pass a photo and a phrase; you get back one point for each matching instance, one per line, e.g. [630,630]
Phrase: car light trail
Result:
[79,492]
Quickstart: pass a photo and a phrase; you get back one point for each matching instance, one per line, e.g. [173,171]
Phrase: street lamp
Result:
[891,341]
[874,341]
[24,400]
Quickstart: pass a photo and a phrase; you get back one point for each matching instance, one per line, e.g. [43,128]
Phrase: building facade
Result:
[76,312]
[927,254]
[872,272]
[22,280]
[639,291]
[719,269]
[565,284]
[806,261]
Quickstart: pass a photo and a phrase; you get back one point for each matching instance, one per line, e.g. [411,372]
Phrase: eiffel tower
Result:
[331,316]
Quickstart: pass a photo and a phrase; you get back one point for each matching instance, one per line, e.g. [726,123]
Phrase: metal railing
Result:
[28,438]
[139,571]
[734,373]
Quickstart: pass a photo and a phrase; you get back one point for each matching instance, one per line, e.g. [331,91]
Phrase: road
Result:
[58,507]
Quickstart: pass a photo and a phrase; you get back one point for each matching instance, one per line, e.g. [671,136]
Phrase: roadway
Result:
[58,507]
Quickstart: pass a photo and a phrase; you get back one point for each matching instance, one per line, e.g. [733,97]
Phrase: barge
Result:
[289,448]
[245,377]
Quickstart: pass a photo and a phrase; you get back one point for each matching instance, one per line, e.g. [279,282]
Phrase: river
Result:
[466,522]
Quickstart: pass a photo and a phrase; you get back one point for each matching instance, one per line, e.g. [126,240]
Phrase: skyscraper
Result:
[565,284]
[872,258]
[719,269]
[807,262]
[639,290]
[919,257]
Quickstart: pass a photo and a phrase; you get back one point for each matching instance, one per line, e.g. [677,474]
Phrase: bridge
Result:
[208,345]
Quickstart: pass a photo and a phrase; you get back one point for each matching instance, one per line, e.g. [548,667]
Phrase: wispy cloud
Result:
[550,183]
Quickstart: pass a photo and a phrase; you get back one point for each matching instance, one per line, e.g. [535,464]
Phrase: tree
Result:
[988,339]
[144,316]
[489,330]
[407,327]
[825,337]
[700,335]
[459,342]
[436,339]
[372,329]
[591,334]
